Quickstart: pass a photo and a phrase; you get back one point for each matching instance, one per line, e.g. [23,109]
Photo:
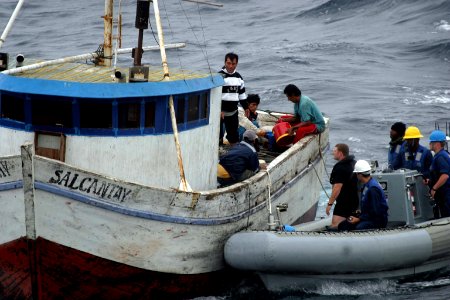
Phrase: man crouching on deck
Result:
[240,162]
[373,202]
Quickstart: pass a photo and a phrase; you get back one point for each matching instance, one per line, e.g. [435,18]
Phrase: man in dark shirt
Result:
[396,134]
[241,162]
[344,191]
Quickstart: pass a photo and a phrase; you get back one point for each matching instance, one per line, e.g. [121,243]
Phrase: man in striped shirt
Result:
[233,92]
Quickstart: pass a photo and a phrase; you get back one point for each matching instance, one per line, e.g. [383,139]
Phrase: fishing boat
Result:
[108,185]
[413,244]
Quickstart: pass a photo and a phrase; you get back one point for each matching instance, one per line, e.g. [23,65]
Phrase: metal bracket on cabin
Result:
[100,55]
[139,74]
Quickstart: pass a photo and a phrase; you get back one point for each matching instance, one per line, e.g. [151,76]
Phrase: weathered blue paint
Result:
[6,186]
[166,218]
[106,90]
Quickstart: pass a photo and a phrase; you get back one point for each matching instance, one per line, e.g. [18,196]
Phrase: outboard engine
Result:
[408,198]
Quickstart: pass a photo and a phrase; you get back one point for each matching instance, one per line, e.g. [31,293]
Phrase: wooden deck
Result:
[87,72]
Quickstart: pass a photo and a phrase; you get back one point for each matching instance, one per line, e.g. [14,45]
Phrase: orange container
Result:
[280,132]
[282,118]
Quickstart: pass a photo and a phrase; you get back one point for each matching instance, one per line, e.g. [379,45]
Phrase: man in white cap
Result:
[374,206]
[241,162]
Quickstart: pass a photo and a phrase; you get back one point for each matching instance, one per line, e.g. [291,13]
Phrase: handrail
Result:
[80,57]
[11,21]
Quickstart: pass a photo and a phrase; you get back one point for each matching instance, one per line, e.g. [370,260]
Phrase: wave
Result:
[347,8]
[438,48]
[442,26]
[358,288]
[398,12]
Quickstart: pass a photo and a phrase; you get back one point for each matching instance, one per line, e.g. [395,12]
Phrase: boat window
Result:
[193,108]
[204,106]
[180,108]
[95,115]
[49,112]
[12,107]
[108,117]
[129,115]
[149,114]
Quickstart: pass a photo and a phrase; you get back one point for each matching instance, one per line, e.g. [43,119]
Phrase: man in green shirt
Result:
[307,118]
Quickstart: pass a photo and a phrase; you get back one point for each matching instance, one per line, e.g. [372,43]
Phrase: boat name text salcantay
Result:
[4,169]
[104,190]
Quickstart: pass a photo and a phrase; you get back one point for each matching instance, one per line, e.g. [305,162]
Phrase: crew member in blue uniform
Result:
[440,173]
[374,208]
[396,134]
[412,155]
[240,162]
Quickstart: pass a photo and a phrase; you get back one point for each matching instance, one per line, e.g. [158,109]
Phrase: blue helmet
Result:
[437,136]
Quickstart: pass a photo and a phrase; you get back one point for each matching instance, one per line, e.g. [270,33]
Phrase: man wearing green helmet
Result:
[440,173]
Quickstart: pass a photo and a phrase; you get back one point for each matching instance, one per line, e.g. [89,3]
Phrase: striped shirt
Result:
[233,91]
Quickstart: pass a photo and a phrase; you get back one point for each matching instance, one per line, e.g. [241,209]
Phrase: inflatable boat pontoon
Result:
[414,243]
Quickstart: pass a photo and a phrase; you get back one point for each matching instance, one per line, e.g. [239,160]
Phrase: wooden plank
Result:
[28,189]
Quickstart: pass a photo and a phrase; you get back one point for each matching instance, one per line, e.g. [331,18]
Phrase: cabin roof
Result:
[89,73]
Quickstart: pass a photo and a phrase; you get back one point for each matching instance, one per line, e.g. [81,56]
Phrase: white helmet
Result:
[362,166]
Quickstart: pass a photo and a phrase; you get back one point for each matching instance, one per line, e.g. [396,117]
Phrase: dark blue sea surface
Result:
[366,63]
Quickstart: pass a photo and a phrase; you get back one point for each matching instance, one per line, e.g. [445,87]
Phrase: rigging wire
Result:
[117,34]
[204,52]
[204,40]
[171,32]
[153,32]
[320,180]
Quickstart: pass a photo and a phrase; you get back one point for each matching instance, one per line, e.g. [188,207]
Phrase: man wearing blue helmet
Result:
[440,173]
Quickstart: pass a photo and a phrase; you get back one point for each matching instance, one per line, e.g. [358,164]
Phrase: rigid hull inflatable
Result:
[409,247]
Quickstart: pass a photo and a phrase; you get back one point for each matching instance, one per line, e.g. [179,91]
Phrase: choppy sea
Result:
[366,63]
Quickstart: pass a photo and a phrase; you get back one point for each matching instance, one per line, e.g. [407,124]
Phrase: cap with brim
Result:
[250,135]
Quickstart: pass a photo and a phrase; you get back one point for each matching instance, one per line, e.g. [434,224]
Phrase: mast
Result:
[184,185]
[161,40]
[107,44]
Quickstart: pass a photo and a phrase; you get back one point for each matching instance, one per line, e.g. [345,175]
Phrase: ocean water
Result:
[366,63]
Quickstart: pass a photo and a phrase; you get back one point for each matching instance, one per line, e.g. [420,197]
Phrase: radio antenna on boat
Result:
[10,22]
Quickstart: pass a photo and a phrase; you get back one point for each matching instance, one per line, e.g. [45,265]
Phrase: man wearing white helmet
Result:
[373,202]
[440,173]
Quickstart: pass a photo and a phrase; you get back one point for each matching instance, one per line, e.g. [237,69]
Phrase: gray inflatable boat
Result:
[413,244]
